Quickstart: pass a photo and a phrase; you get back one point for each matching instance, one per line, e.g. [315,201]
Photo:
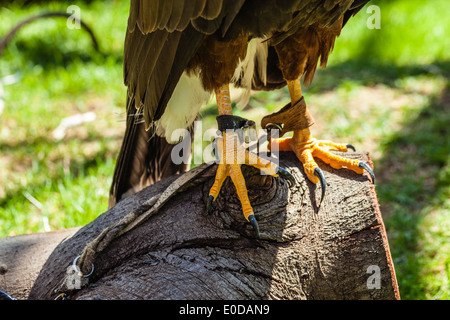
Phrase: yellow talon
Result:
[307,148]
[233,154]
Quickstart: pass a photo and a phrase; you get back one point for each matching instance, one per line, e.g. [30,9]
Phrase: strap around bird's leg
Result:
[290,118]
[246,129]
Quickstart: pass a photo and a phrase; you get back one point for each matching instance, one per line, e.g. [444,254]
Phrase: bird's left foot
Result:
[295,117]
[307,148]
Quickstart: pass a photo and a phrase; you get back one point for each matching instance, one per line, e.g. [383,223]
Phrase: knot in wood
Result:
[3,269]
[268,196]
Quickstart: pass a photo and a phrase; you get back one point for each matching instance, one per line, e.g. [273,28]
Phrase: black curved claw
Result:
[319,174]
[210,201]
[285,174]
[350,146]
[271,126]
[365,166]
[254,223]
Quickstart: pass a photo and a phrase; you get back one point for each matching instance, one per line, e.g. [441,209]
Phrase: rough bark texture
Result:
[182,252]
[22,257]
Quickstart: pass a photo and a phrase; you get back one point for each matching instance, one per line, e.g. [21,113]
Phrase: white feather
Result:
[257,51]
[183,107]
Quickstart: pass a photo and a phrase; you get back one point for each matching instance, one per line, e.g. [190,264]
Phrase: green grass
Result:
[386,91]
[59,75]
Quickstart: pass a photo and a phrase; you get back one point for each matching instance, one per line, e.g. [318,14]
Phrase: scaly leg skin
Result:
[232,155]
[307,148]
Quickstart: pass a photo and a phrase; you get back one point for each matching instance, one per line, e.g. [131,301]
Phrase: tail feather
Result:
[144,158]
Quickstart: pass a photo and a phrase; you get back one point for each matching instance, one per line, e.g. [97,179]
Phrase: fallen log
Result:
[179,251]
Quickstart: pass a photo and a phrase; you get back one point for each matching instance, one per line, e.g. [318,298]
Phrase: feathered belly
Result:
[190,95]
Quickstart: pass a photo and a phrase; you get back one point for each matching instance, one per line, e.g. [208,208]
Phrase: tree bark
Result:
[22,257]
[337,251]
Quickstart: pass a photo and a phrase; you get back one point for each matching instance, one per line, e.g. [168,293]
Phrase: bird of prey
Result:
[180,52]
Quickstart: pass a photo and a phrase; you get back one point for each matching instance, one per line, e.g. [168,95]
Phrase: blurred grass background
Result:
[386,91]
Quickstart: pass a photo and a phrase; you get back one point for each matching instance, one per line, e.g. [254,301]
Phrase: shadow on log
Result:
[337,251]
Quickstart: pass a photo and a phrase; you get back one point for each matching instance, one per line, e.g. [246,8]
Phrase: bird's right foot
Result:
[232,155]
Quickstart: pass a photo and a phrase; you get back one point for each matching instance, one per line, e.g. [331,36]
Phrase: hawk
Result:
[178,53]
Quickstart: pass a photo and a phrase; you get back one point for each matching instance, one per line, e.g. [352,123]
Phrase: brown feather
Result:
[175,17]
[134,12]
[212,9]
[187,14]
[211,36]
[148,60]
[159,77]
[198,9]
[150,11]
[165,12]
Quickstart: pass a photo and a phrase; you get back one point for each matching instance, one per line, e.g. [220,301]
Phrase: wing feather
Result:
[133,17]
[147,62]
[287,5]
[164,13]
[212,9]
[159,77]
[187,14]
[198,8]
[175,17]
[143,17]
[149,11]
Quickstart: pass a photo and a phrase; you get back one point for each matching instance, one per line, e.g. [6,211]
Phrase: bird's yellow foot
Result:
[307,148]
[295,117]
[232,154]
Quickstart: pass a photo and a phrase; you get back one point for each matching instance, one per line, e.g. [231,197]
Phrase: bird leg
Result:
[306,147]
[232,154]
